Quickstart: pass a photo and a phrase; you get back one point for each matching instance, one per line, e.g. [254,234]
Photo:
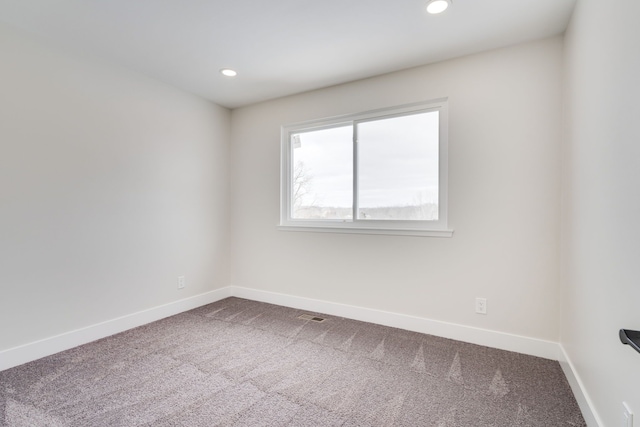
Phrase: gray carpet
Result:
[243,363]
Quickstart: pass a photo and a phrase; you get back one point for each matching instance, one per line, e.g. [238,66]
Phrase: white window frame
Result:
[436,228]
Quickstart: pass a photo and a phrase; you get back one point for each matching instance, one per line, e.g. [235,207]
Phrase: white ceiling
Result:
[281,47]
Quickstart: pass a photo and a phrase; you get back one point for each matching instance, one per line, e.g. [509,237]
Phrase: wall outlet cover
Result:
[481,305]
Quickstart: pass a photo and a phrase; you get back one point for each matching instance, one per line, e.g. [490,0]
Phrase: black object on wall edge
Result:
[631,338]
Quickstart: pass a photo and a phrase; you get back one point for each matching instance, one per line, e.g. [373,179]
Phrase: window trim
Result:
[438,228]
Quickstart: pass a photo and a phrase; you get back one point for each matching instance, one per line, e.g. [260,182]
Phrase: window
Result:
[381,172]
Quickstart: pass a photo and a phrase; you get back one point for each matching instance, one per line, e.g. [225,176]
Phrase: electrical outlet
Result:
[481,305]
[181,282]
[627,416]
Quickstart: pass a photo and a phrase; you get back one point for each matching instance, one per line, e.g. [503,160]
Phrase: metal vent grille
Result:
[311,317]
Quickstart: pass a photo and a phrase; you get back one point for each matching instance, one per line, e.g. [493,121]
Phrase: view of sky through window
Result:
[398,167]
[322,184]
[397,170]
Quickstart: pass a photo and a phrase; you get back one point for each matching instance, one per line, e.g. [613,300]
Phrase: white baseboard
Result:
[35,350]
[582,397]
[510,342]
[526,345]
[501,340]
[48,346]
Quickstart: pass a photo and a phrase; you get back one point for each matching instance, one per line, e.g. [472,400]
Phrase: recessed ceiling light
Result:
[228,72]
[437,6]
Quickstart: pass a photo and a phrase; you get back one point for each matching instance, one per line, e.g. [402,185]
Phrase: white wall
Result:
[111,186]
[601,203]
[505,130]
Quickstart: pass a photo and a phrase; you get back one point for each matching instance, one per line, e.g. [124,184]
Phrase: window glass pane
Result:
[322,174]
[398,168]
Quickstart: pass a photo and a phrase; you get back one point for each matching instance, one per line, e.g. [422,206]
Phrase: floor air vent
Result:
[311,317]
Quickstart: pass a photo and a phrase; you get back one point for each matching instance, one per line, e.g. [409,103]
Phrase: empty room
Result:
[333,213]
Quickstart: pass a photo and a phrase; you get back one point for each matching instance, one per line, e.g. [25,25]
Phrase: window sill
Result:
[363,230]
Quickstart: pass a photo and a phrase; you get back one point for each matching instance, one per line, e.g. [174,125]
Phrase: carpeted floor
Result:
[243,363]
